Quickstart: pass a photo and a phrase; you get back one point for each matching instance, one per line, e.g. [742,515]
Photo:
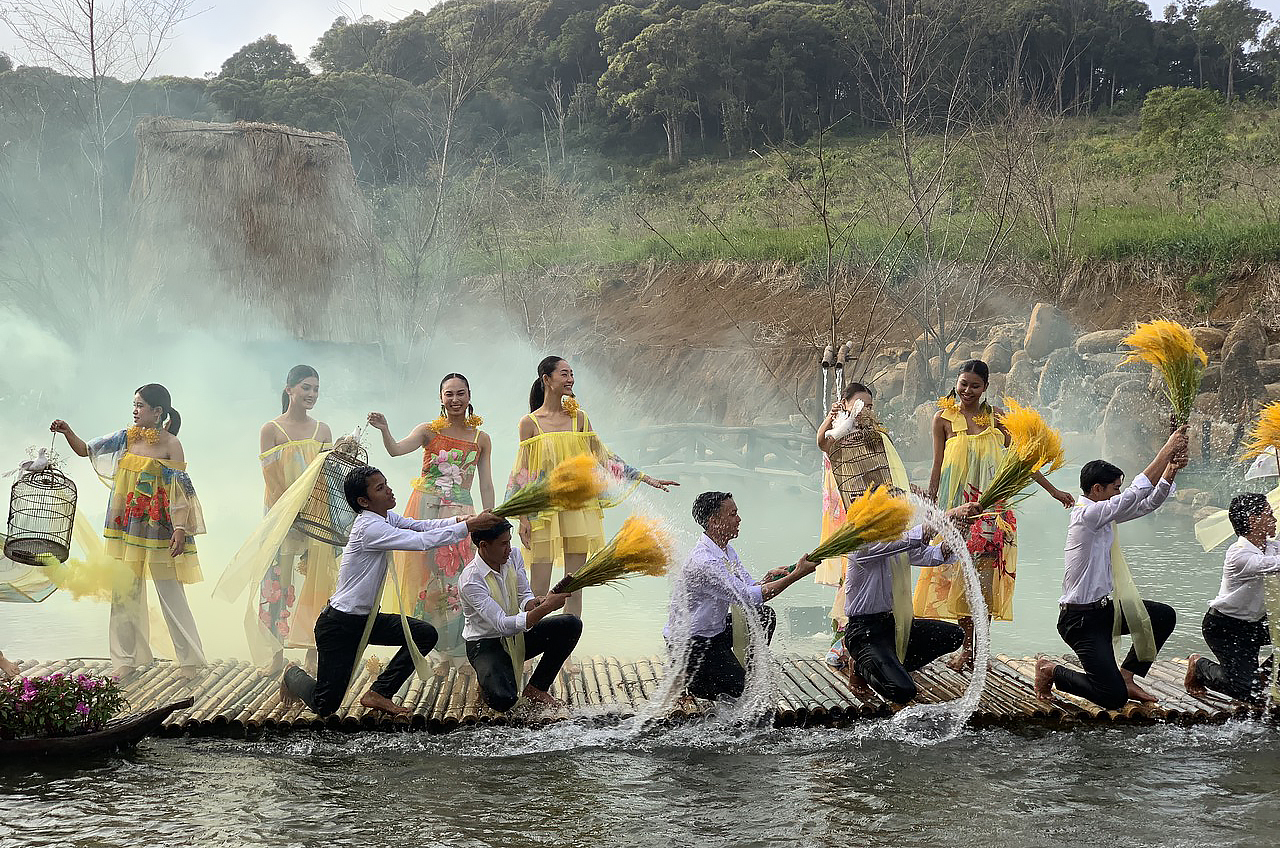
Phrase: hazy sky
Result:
[227,25]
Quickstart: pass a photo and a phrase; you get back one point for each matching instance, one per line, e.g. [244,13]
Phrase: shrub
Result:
[57,704]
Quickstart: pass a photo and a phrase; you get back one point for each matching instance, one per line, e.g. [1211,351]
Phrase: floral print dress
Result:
[428,580]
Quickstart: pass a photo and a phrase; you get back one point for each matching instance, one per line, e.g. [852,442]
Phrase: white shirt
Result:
[482,614]
[364,559]
[1087,577]
[868,581]
[1241,592]
[714,578]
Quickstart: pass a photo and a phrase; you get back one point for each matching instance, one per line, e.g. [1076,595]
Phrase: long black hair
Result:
[297,374]
[456,376]
[154,394]
[546,368]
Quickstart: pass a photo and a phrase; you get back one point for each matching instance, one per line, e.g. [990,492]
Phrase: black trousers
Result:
[712,670]
[554,637]
[871,641]
[1235,642]
[1088,633]
[337,638]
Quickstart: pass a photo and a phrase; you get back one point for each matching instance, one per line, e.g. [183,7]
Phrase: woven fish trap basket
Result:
[326,516]
[42,511]
[859,463]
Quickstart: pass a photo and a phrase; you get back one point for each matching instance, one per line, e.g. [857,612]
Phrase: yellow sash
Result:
[1129,603]
[900,564]
[509,599]
[1271,597]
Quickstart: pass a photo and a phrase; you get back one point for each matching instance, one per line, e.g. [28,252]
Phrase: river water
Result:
[698,785]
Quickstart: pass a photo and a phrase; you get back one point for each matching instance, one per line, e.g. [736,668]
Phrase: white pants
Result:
[130,630]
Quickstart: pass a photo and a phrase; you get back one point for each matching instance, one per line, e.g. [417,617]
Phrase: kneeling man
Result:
[504,624]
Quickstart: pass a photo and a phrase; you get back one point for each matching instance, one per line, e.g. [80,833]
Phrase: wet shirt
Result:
[1087,576]
[714,579]
[1240,595]
[364,559]
[483,615]
[868,581]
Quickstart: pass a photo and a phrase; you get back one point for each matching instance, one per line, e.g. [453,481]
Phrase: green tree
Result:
[1184,129]
[6,64]
[239,88]
[348,45]
[1233,24]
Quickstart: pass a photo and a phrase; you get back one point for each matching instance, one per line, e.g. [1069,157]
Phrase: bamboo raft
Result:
[233,698]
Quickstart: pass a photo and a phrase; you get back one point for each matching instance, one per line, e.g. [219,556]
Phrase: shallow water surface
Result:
[697,785]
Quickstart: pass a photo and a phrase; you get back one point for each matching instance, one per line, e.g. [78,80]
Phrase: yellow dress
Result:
[968,464]
[579,531]
[149,497]
[304,573]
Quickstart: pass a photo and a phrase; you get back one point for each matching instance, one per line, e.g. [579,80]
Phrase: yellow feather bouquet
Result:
[641,547]
[1265,435]
[572,484]
[874,516]
[1033,445]
[1171,349]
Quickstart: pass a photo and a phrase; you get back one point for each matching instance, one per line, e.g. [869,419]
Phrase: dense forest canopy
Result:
[684,77]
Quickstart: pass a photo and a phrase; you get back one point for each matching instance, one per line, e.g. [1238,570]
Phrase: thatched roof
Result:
[261,210]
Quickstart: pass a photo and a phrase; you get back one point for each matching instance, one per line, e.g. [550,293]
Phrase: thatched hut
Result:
[266,212]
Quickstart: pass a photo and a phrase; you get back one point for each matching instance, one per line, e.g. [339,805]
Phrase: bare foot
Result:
[8,667]
[537,696]
[374,701]
[961,660]
[1044,679]
[857,685]
[286,694]
[1136,692]
[1191,682]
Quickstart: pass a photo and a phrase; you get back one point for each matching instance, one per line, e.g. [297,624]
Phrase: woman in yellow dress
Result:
[968,443]
[152,515]
[554,430]
[302,576]
[455,451]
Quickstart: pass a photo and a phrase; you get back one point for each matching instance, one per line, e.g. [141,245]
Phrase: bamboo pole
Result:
[457,697]
[431,690]
[347,716]
[834,682]
[440,706]
[227,691]
[810,699]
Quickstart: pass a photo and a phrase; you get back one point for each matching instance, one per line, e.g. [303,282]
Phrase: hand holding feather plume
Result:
[641,547]
[571,485]
[1170,348]
[874,516]
[1033,446]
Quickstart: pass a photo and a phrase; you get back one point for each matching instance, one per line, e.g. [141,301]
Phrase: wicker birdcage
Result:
[42,511]
[326,516]
[859,461]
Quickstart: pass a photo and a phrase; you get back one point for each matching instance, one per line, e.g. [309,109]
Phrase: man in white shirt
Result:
[714,580]
[870,637]
[1235,627]
[375,533]
[1087,611]
[504,624]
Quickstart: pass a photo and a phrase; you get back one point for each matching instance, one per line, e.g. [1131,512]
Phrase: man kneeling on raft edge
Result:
[504,624]
[375,533]
[1235,626]
[1087,613]
[714,580]
[870,637]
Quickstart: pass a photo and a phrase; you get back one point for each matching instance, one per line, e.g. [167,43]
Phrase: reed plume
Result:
[641,547]
[874,516]
[1170,348]
[1033,445]
[1265,435]
[572,484]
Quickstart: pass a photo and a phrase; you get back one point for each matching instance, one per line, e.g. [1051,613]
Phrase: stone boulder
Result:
[1012,334]
[916,385]
[1270,370]
[1211,378]
[1062,364]
[1023,380]
[1209,338]
[1105,386]
[998,356]
[1134,426]
[1242,387]
[1047,331]
[1273,351]
[1103,341]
